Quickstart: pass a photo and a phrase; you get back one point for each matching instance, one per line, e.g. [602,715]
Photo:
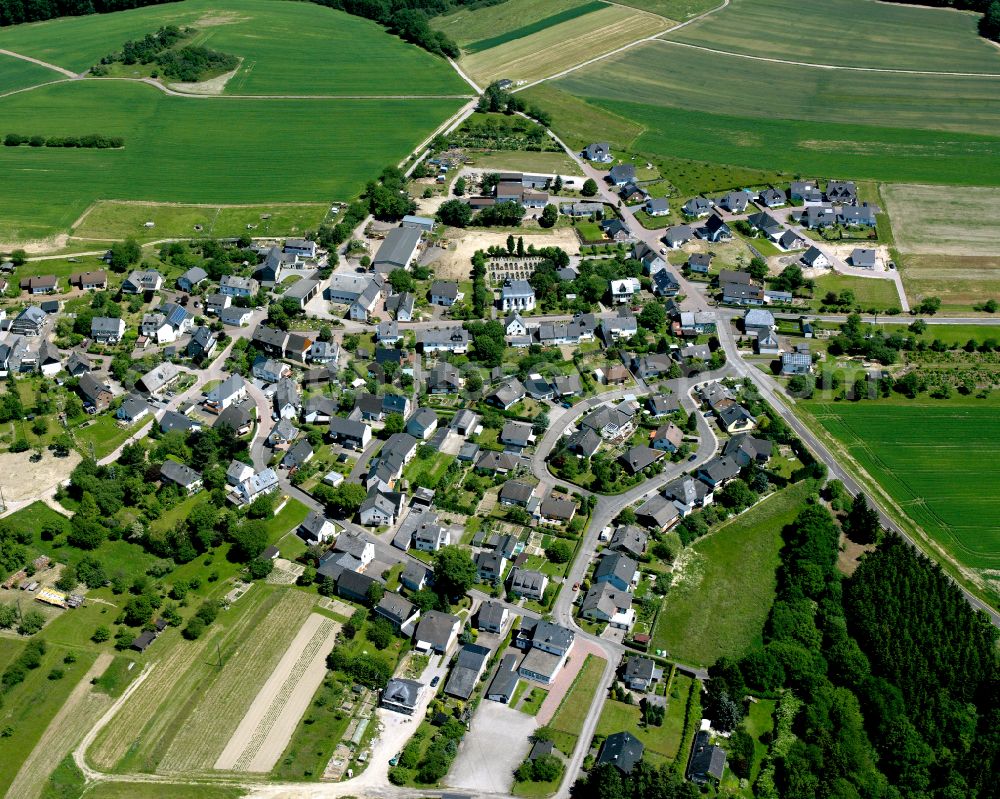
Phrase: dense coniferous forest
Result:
[14,12]
[897,676]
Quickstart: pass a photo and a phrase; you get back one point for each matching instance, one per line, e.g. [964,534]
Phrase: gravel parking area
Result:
[495,745]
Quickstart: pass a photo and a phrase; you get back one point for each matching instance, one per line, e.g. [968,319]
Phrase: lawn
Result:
[288,518]
[533,701]
[575,705]
[16,73]
[658,74]
[104,435]
[562,45]
[882,35]
[933,458]
[117,220]
[183,158]
[334,53]
[726,582]
[869,292]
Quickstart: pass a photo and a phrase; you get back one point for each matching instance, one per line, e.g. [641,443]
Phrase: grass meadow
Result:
[15,73]
[720,604]
[563,45]
[173,154]
[935,458]
[28,707]
[660,74]
[959,281]
[108,219]
[869,292]
[222,702]
[334,53]
[881,35]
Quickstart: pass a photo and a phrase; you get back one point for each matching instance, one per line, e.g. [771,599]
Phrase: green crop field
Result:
[674,9]
[935,459]
[880,35]
[804,147]
[333,53]
[118,220]
[720,604]
[16,73]
[172,154]
[563,45]
[660,74]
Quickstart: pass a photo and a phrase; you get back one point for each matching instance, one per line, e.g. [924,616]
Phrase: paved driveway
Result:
[495,745]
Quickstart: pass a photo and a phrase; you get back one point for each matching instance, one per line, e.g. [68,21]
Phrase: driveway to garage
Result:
[495,745]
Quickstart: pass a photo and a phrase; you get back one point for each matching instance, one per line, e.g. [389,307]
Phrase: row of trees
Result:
[92,141]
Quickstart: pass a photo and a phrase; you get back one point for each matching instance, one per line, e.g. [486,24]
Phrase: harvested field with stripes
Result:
[226,701]
[183,673]
[562,46]
[268,725]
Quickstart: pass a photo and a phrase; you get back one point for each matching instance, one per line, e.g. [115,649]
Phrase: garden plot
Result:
[265,730]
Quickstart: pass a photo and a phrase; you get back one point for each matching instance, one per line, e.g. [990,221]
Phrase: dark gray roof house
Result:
[629,540]
[394,608]
[401,696]
[622,750]
[617,569]
[638,458]
[469,665]
[863,257]
[504,681]
[180,474]
[707,762]
[436,631]
[718,471]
